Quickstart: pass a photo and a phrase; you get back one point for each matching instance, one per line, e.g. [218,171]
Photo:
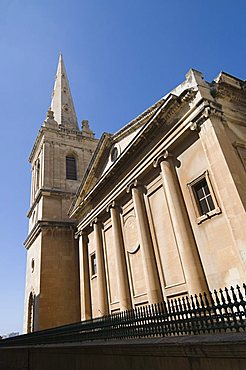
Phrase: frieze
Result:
[231,94]
[176,103]
[47,225]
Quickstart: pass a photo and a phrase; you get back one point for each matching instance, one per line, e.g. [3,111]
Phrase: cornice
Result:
[208,109]
[167,110]
[231,93]
[138,121]
[47,192]
[189,122]
[45,225]
[62,132]
[36,143]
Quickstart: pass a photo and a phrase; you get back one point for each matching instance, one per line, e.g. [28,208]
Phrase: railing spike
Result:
[233,294]
[244,287]
[216,297]
[201,300]
[152,309]
[197,302]
[176,305]
[222,296]
[169,306]
[192,302]
[172,305]
[184,304]
[157,311]
[227,295]
[239,293]
[188,303]
[179,304]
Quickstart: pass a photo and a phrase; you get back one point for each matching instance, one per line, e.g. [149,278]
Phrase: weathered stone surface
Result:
[161,244]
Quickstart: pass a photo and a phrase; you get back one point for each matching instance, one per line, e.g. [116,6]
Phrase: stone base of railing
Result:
[196,352]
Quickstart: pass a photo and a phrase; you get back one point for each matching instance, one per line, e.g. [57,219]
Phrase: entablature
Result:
[44,225]
[184,127]
[199,112]
[48,192]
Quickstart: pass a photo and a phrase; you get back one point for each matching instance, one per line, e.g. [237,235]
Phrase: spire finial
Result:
[49,120]
[62,101]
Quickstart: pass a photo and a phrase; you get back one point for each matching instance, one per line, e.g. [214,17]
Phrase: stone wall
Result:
[202,352]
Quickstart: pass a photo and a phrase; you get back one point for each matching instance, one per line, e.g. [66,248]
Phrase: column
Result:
[151,273]
[193,270]
[84,277]
[101,274]
[121,268]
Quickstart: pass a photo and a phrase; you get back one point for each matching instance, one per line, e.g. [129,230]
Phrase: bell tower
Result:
[59,158]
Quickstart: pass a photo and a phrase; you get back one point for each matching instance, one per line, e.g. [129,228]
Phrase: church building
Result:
[153,212]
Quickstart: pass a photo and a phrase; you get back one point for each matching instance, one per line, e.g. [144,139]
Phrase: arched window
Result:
[31,311]
[71,170]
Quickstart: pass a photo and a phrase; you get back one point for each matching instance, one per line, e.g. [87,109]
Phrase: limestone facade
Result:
[162,210]
[52,275]
[159,213]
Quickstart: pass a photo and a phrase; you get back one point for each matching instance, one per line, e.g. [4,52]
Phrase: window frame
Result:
[69,157]
[196,205]
[93,267]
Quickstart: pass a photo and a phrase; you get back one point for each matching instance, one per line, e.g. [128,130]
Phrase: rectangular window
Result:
[93,264]
[203,198]
[71,171]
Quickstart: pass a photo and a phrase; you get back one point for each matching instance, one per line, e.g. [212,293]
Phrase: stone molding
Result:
[47,192]
[165,156]
[96,221]
[210,109]
[114,205]
[231,93]
[169,107]
[135,184]
[44,225]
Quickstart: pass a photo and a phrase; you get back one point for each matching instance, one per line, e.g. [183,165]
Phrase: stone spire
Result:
[62,102]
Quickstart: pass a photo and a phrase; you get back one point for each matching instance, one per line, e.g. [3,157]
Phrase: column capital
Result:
[194,126]
[96,221]
[81,233]
[135,184]
[165,156]
[114,205]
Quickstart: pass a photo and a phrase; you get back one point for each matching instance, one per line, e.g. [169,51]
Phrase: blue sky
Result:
[120,56]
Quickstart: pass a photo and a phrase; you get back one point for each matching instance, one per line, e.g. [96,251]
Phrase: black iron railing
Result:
[220,311]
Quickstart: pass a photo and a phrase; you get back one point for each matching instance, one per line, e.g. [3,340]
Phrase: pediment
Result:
[110,149]
[114,151]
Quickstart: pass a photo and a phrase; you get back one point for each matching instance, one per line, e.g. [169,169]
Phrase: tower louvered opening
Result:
[71,172]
